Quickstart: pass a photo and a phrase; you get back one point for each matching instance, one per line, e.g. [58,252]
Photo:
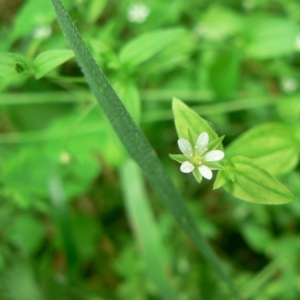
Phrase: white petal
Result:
[213,155]
[202,143]
[185,147]
[186,167]
[205,171]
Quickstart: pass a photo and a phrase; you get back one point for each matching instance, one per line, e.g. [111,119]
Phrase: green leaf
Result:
[253,183]
[272,146]
[288,109]
[26,233]
[49,60]
[269,37]
[148,45]
[94,10]
[187,120]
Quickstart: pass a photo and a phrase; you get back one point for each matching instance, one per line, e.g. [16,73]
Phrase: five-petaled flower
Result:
[200,161]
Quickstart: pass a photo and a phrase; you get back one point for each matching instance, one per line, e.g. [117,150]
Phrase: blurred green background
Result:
[76,220]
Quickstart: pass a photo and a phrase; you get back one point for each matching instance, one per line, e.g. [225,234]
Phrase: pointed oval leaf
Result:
[253,183]
[272,146]
[188,120]
[49,60]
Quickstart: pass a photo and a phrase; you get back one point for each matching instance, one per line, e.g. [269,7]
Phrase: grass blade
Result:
[135,142]
[145,229]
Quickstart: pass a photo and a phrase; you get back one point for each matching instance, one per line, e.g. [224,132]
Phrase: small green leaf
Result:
[147,45]
[253,183]
[226,175]
[49,60]
[272,146]
[187,120]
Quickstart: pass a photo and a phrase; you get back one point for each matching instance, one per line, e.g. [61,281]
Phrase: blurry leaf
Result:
[32,117]
[147,234]
[94,10]
[77,150]
[49,60]
[220,22]
[258,237]
[86,233]
[224,73]
[25,174]
[33,14]
[250,182]
[26,233]
[144,47]
[272,146]
[186,119]
[174,56]
[12,65]
[289,109]
[270,37]
[128,92]
[18,282]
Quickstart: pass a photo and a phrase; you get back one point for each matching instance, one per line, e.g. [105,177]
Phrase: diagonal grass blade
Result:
[135,142]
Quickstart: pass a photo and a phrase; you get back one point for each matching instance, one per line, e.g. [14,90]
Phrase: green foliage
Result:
[77,221]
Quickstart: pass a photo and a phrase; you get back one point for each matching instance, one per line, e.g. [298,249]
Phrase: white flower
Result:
[137,13]
[198,158]
[42,32]
[297,42]
[289,85]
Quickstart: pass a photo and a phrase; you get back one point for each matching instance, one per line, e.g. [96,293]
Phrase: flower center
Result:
[196,160]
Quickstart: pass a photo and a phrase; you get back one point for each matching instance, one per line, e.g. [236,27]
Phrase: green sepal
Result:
[220,180]
[197,175]
[178,157]
[214,165]
[213,145]
[226,174]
